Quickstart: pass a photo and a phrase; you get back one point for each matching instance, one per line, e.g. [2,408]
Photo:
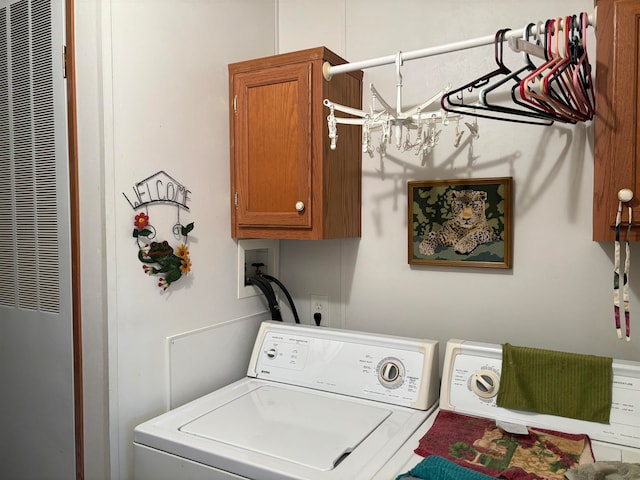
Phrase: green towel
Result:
[556,383]
[439,468]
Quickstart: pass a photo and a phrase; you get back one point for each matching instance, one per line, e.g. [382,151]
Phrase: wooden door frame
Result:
[74,202]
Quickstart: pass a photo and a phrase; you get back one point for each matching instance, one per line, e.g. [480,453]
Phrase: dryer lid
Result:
[307,428]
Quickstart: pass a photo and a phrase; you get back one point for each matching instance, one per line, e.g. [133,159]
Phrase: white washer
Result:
[470,382]
[317,404]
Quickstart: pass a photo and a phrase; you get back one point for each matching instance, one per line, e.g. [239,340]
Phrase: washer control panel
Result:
[395,370]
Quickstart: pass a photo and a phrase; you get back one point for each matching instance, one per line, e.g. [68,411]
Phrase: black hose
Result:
[286,293]
[272,301]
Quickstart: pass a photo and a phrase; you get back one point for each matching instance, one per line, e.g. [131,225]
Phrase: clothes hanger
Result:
[453,101]
[582,79]
[574,50]
[544,117]
[528,90]
[557,82]
[527,84]
[578,78]
[540,106]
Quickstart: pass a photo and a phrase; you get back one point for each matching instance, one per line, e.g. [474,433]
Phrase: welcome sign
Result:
[158,257]
[159,188]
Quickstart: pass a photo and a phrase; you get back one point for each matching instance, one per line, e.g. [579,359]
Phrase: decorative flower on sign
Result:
[182,251]
[141,220]
[185,265]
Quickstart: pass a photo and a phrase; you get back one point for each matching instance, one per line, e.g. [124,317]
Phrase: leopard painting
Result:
[466,229]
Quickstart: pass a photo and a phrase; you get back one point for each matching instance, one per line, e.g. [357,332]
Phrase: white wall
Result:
[153,95]
[558,293]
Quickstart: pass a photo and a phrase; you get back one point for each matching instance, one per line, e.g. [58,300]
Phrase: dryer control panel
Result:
[397,370]
[471,380]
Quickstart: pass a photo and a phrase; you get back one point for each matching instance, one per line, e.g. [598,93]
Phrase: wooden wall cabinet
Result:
[286,182]
[617,122]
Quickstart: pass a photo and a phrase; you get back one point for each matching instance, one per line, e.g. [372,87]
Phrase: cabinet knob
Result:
[299,206]
[625,195]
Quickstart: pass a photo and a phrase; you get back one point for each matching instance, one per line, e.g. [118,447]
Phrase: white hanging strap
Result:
[616,273]
[333,130]
[624,196]
[625,284]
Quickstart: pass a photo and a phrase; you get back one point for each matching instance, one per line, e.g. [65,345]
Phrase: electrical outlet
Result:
[319,304]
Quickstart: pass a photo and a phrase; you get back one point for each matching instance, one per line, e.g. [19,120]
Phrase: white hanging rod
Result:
[330,70]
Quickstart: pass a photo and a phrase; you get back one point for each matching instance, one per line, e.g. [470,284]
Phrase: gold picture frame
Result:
[478,234]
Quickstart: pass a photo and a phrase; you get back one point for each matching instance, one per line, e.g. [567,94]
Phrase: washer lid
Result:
[309,429]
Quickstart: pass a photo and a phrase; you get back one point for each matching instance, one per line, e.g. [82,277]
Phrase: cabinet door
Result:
[273,163]
[617,123]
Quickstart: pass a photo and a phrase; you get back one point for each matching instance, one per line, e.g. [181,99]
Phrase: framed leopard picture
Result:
[463,222]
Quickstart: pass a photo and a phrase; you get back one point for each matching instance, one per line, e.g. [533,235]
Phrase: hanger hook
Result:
[399,63]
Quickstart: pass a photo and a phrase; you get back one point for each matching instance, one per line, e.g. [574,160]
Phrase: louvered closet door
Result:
[36,357]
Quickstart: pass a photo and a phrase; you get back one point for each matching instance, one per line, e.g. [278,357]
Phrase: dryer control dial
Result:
[485,383]
[391,372]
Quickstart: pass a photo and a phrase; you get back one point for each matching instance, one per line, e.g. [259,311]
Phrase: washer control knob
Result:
[485,383]
[391,373]
[271,353]
[299,206]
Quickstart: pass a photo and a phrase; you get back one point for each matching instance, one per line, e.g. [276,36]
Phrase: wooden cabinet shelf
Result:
[617,122]
[286,182]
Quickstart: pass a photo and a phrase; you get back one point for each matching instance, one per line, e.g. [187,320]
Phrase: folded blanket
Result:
[556,383]
[438,468]
[605,471]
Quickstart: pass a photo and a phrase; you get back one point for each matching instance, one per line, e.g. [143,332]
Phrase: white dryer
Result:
[470,383]
[317,404]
